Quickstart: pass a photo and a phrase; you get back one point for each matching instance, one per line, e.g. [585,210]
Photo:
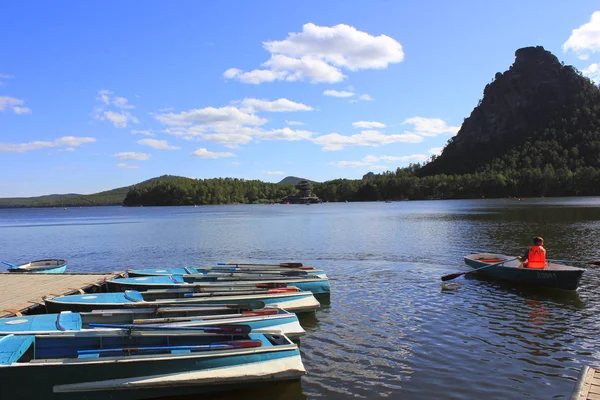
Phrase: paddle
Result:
[456,275]
[233,344]
[10,265]
[222,329]
[285,265]
[576,262]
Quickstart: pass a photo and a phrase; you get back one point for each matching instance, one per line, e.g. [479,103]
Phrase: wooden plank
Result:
[594,389]
[593,396]
[19,292]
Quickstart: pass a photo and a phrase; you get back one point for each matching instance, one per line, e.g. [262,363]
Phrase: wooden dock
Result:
[588,385]
[21,292]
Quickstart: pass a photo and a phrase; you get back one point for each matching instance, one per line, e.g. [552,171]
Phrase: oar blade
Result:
[452,276]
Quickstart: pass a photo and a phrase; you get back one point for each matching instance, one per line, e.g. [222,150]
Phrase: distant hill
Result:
[539,113]
[293,180]
[106,198]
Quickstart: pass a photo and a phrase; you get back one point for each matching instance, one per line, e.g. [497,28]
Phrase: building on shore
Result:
[304,195]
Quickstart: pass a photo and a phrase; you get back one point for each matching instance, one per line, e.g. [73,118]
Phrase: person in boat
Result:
[535,256]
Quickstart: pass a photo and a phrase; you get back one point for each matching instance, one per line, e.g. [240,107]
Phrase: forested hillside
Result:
[175,190]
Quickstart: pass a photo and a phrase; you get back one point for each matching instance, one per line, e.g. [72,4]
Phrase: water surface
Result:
[392,328]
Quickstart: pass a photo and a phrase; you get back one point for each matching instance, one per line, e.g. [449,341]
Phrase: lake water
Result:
[392,328]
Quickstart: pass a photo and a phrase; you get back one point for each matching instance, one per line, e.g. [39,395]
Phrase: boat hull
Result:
[554,276]
[150,376]
[280,321]
[296,302]
[317,286]
[50,266]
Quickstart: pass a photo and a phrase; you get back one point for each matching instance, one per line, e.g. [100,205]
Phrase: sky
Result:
[96,95]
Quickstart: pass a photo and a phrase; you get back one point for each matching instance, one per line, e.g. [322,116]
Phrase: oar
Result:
[223,329]
[456,275]
[576,262]
[10,265]
[233,344]
[167,320]
[285,265]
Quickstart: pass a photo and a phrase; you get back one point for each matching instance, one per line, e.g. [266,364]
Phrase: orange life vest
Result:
[536,257]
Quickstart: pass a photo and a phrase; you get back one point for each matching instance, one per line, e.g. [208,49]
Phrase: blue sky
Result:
[96,95]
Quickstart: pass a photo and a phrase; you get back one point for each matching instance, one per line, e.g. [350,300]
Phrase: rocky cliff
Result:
[537,100]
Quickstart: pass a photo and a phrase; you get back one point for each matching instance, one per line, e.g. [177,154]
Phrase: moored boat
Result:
[49,266]
[267,319]
[252,272]
[297,301]
[556,276]
[318,286]
[144,364]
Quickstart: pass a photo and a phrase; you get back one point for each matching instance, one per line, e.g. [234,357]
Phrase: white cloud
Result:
[21,110]
[436,151]
[592,72]
[236,163]
[279,105]
[127,166]
[147,132]
[363,97]
[294,123]
[273,172]
[586,38]
[234,125]
[224,117]
[158,144]
[431,126]
[204,153]
[319,54]
[130,155]
[12,103]
[231,140]
[5,76]
[121,102]
[584,57]
[368,124]
[68,141]
[371,161]
[283,134]
[335,141]
[164,110]
[338,93]
[113,109]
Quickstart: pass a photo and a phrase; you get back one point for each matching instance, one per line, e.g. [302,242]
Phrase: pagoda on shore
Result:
[304,195]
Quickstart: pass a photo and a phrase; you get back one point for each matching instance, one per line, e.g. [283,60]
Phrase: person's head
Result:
[538,241]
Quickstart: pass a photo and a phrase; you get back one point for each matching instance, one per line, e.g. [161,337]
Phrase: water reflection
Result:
[274,391]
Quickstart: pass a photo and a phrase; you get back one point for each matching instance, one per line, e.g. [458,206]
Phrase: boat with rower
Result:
[556,276]
[318,286]
[145,363]
[48,266]
[261,320]
[290,299]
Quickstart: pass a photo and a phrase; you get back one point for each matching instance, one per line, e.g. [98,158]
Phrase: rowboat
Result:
[50,266]
[267,319]
[554,276]
[318,286]
[144,364]
[223,271]
[297,301]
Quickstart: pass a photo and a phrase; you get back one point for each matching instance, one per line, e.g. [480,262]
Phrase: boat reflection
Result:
[271,391]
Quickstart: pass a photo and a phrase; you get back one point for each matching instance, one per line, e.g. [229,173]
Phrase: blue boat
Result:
[555,276]
[223,271]
[268,319]
[318,286]
[50,266]
[294,301]
[144,364]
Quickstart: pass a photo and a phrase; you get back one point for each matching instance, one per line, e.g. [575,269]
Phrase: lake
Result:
[392,328]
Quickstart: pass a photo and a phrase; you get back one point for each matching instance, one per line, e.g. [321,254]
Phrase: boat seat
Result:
[191,270]
[182,351]
[92,355]
[68,321]
[177,278]
[133,295]
[13,347]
